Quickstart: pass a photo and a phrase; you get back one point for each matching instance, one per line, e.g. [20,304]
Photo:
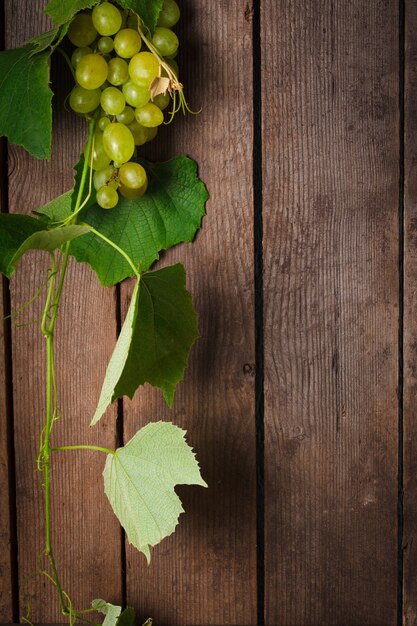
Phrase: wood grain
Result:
[206,572]
[86,534]
[410,329]
[331,146]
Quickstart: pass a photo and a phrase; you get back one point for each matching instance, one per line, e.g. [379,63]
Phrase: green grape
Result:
[118,72]
[107,197]
[105,44]
[165,41]
[84,100]
[102,177]
[78,54]
[118,142]
[127,43]
[103,122]
[135,95]
[140,133]
[169,15]
[149,115]
[112,101]
[143,68]
[81,31]
[107,18]
[132,175]
[132,194]
[100,157]
[127,116]
[91,71]
[125,15]
[132,22]
[162,100]
[151,133]
[174,66]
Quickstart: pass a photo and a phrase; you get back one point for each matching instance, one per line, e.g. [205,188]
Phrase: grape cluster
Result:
[113,81]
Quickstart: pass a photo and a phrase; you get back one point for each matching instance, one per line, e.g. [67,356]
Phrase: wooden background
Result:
[300,399]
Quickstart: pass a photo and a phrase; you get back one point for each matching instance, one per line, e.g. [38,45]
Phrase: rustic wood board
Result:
[87,536]
[206,572]
[331,147]
[6,608]
[410,327]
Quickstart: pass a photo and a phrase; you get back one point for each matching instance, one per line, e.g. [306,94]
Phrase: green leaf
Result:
[156,338]
[58,209]
[111,611]
[51,39]
[127,618]
[169,213]
[148,10]
[25,103]
[47,240]
[139,481]
[61,11]
[14,230]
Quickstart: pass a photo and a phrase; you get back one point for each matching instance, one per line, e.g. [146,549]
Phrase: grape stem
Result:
[49,317]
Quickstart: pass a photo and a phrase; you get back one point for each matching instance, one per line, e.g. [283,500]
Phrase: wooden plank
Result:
[86,534]
[6,607]
[331,146]
[410,333]
[206,572]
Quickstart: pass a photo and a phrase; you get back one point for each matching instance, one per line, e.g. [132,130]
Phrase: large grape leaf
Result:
[169,213]
[25,103]
[139,481]
[61,11]
[51,39]
[148,10]
[155,340]
[14,230]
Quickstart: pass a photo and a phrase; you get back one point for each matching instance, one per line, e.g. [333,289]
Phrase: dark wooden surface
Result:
[339,341]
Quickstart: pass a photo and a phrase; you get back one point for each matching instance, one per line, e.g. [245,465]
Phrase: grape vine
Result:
[120,214]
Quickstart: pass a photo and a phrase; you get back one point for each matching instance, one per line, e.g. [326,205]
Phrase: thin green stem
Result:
[49,318]
[116,247]
[84,447]
[67,59]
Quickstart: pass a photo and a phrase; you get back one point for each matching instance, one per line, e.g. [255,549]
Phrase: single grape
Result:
[149,115]
[91,71]
[112,101]
[78,54]
[165,41]
[132,194]
[143,68]
[127,116]
[84,100]
[132,175]
[102,177]
[127,43]
[118,72]
[174,66]
[107,197]
[100,157]
[135,95]
[162,100]
[151,133]
[169,15]
[81,32]
[140,133]
[103,122]
[118,142]
[105,44]
[132,22]
[107,18]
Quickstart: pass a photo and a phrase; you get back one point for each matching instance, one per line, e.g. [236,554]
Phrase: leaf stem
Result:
[84,447]
[116,247]
[67,59]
